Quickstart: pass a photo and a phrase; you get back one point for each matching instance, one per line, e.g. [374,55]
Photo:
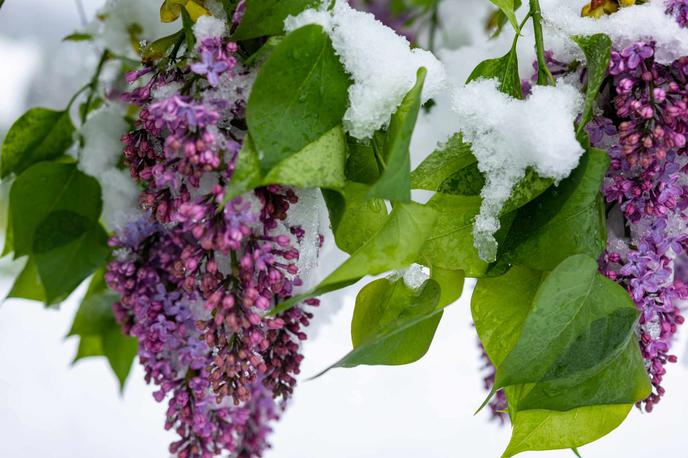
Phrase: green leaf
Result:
[451,284]
[285,109]
[78,36]
[89,346]
[362,165]
[63,267]
[48,187]
[504,69]
[159,47]
[266,17]
[392,323]
[95,315]
[394,246]
[508,8]
[353,216]
[394,182]
[38,135]
[443,163]
[28,284]
[565,220]
[187,25]
[120,351]
[318,165]
[499,307]
[551,430]
[450,244]
[597,49]
[579,323]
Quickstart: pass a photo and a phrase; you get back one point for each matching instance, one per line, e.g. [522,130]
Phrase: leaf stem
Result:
[544,77]
[93,84]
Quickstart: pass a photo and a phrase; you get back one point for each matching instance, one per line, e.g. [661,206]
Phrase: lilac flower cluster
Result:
[679,10]
[647,184]
[497,404]
[197,275]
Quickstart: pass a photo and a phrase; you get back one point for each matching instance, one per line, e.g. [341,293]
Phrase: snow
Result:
[99,157]
[415,276]
[113,32]
[626,26]
[208,27]
[381,64]
[508,135]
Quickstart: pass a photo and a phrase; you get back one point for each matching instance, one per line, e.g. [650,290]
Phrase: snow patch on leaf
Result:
[509,135]
[381,63]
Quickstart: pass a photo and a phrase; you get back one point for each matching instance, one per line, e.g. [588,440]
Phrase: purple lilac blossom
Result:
[647,181]
[195,276]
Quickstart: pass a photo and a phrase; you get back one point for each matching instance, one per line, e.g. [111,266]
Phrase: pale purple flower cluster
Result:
[197,276]
[497,404]
[647,182]
[679,10]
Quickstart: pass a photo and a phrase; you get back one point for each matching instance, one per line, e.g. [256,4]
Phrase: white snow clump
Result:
[381,64]
[509,135]
[625,27]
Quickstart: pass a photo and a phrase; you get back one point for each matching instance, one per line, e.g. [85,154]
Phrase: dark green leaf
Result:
[45,188]
[159,47]
[187,25]
[504,69]
[285,110]
[38,135]
[354,218]
[28,284]
[362,165]
[94,316]
[64,267]
[266,17]
[394,246]
[394,182]
[442,164]
[565,220]
[597,49]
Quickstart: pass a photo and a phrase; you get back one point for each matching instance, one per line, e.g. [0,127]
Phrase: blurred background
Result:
[51,409]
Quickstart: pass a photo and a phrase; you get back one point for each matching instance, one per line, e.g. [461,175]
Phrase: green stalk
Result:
[544,77]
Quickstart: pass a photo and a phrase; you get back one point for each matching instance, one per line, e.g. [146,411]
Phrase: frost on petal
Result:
[381,64]
[509,135]
[625,27]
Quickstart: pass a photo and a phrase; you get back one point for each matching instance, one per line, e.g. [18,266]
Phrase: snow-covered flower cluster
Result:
[197,275]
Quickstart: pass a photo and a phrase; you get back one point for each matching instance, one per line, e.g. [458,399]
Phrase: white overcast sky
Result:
[52,410]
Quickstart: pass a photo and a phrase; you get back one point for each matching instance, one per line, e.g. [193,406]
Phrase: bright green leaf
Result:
[392,323]
[285,110]
[78,36]
[504,69]
[266,17]
[508,8]
[551,430]
[394,246]
[394,182]
[353,216]
[38,135]
[89,346]
[318,165]
[443,163]
[28,284]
